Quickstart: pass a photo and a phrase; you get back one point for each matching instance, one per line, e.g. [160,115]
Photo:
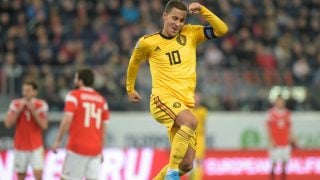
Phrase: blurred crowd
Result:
[270,43]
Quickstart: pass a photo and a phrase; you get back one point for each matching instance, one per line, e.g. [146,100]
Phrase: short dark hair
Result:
[87,76]
[31,83]
[175,4]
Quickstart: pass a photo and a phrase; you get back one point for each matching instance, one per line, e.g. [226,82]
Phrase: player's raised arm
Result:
[219,27]
[13,114]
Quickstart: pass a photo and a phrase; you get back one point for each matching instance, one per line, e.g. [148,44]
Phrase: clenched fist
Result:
[194,8]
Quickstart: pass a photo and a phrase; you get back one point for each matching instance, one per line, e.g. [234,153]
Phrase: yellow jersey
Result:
[172,62]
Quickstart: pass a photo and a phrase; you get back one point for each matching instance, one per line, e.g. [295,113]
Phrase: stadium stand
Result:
[270,43]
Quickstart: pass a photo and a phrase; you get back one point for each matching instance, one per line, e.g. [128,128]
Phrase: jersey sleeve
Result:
[139,54]
[198,32]
[43,110]
[217,27]
[105,113]
[13,107]
[289,119]
[71,103]
[140,51]
[268,118]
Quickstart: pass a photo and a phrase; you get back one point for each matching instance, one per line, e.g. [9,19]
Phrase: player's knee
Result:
[186,167]
[191,122]
[186,118]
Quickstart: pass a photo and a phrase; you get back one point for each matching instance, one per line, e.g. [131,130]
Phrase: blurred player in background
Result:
[85,115]
[172,57]
[280,136]
[201,113]
[29,115]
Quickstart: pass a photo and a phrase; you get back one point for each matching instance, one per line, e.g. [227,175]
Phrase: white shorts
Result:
[22,159]
[77,166]
[280,154]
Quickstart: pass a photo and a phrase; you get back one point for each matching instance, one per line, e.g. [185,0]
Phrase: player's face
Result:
[280,103]
[28,92]
[173,22]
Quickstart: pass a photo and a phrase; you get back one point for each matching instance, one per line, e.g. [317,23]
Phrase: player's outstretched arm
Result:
[12,116]
[219,27]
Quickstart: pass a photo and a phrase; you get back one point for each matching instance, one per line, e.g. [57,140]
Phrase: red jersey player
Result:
[279,130]
[85,114]
[29,115]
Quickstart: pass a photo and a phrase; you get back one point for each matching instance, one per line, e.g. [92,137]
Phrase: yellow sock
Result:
[179,146]
[196,173]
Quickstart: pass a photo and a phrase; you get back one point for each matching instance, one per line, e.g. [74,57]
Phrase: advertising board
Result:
[144,163]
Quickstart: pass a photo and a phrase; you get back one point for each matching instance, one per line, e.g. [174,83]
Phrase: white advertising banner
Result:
[225,130]
[145,163]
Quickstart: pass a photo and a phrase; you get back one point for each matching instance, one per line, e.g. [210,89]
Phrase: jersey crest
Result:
[181,39]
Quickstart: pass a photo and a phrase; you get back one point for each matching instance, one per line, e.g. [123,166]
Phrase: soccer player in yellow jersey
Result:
[172,58]
[201,113]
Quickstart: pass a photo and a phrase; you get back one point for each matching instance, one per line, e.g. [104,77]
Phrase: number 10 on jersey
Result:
[92,112]
[174,57]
